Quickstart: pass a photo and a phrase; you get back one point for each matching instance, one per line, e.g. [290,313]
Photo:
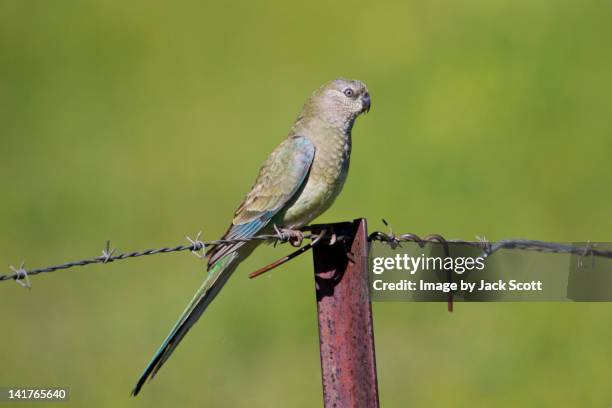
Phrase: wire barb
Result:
[484,243]
[588,251]
[197,245]
[20,275]
[107,253]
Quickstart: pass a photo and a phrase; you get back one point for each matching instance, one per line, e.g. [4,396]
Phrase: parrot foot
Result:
[294,237]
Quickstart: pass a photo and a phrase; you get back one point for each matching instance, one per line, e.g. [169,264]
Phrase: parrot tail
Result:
[217,277]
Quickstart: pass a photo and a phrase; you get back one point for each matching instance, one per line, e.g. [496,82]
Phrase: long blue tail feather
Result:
[217,277]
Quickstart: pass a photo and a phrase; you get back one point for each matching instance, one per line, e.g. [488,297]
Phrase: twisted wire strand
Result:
[108,255]
[21,275]
[490,248]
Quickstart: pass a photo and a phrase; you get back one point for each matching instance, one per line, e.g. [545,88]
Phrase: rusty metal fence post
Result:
[346,336]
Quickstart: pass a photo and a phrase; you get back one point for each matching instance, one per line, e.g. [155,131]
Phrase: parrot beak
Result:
[365,103]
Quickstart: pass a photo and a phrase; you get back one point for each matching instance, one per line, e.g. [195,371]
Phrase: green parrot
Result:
[298,182]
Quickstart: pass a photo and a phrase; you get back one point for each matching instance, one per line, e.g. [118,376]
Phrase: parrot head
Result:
[340,101]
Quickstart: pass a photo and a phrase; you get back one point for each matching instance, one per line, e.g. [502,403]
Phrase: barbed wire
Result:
[21,275]
[295,237]
[489,248]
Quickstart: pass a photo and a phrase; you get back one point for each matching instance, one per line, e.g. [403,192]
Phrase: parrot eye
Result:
[349,92]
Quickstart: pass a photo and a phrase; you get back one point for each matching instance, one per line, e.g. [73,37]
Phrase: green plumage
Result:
[299,181]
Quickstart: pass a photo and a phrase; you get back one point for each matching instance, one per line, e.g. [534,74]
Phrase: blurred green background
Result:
[144,121]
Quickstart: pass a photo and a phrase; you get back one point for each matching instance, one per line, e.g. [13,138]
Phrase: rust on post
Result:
[346,335]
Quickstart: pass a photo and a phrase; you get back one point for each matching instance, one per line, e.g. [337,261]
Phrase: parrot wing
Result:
[280,178]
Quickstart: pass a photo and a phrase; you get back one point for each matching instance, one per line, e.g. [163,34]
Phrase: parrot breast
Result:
[326,178]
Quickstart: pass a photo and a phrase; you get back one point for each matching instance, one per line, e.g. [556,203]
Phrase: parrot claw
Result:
[294,237]
[297,238]
[333,238]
